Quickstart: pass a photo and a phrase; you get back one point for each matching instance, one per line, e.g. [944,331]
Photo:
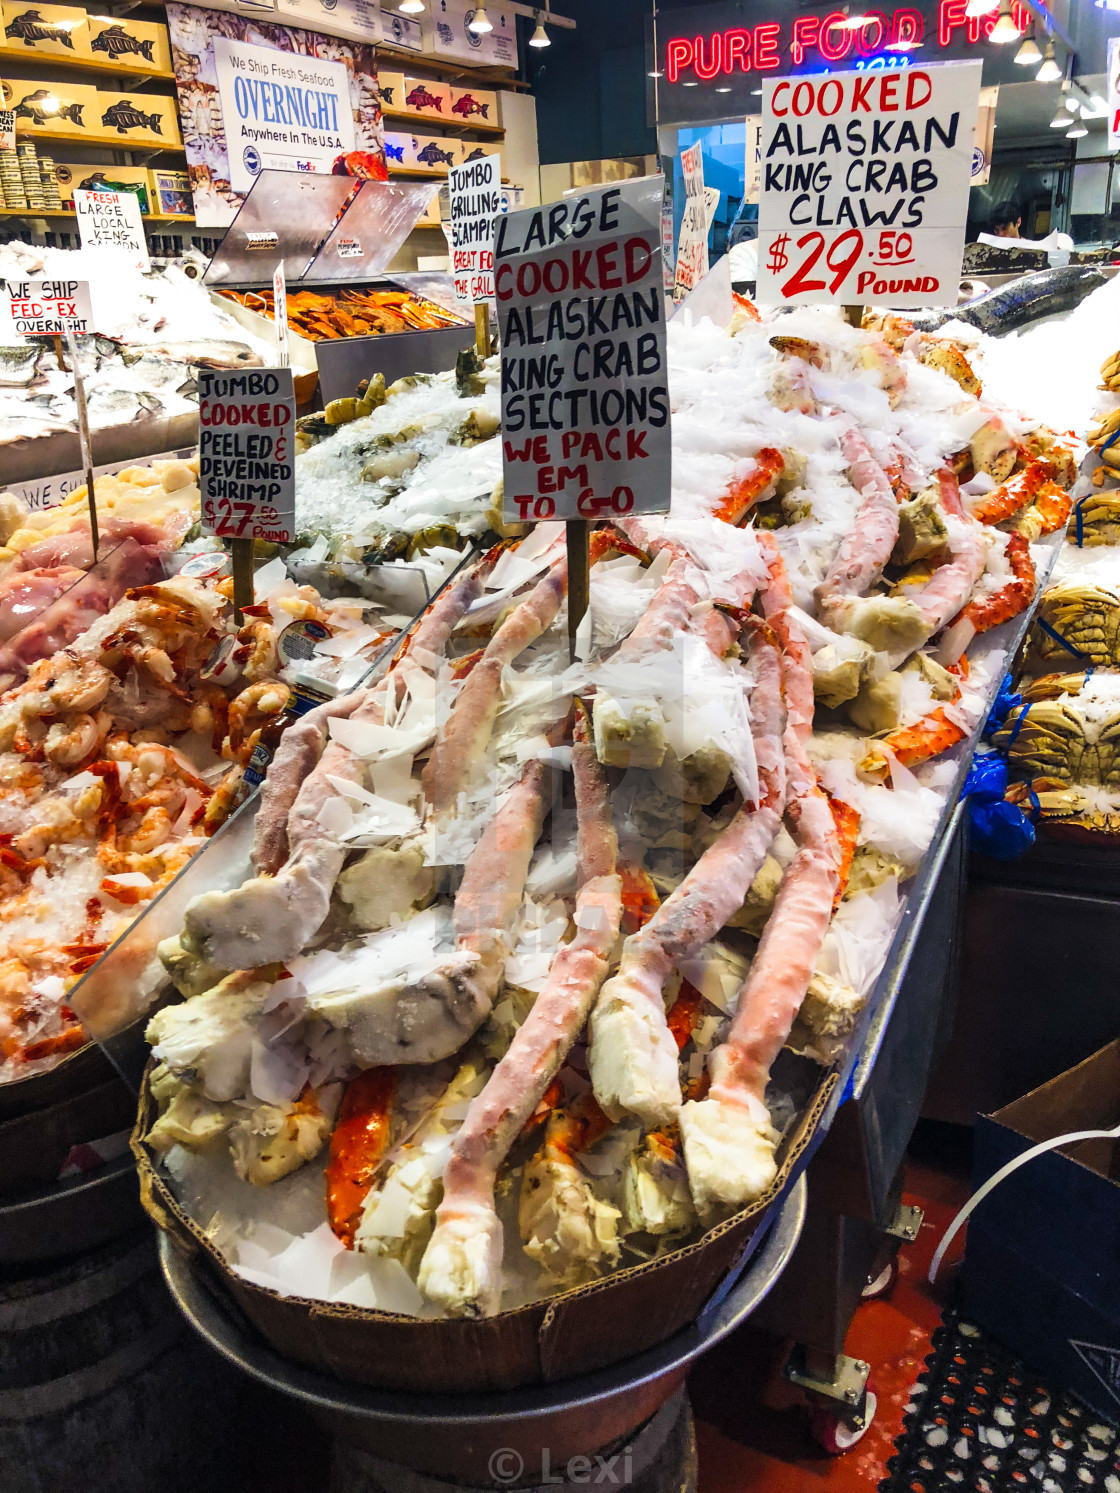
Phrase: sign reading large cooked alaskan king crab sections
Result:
[865,181]
[585,397]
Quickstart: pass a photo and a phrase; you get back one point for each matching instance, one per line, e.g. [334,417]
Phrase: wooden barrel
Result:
[102,1383]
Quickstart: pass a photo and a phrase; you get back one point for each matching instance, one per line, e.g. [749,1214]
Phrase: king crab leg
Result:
[464,736]
[303,742]
[461,1269]
[867,547]
[632,1057]
[428,1017]
[728,1140]
[273,915]
[978,616]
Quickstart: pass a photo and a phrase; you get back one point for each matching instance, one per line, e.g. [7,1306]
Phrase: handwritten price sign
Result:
[246,454]
[585,400]
[865,181]
[816,263]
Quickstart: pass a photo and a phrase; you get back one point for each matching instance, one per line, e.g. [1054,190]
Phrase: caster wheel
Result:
[883,1283]
[836,1433]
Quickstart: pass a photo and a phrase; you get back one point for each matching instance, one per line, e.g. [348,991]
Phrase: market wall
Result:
[590,84]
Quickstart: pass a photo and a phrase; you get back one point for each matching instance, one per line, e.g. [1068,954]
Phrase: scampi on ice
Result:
[499,1009]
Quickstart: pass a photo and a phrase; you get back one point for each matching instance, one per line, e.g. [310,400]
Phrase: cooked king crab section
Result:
[526,938]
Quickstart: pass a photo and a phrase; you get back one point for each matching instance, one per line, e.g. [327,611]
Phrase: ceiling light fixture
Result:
[540,37]
[1005,29]
[1060,120]
[1076,130]
[479,23]
[1028,53]
[976,8]
[411,7]
[1049,72]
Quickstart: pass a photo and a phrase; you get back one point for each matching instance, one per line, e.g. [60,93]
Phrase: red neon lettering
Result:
[876,23]
[907,26]
[805,31]
[678,55]
[766,46]
[834,51]
[950,18]
[706,71]
[736,48]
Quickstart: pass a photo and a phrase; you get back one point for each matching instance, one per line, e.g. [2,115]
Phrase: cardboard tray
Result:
[586,1328]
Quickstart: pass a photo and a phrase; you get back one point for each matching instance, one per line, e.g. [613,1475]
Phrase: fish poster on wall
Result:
[269,95]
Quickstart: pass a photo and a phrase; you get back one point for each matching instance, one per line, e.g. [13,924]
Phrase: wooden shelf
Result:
[118,142]
[419,63]
[423,120]
[82,64]
[65,212]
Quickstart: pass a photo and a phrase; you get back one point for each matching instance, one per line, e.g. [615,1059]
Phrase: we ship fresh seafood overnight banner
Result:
[585,399]
[254,94]
[865,181]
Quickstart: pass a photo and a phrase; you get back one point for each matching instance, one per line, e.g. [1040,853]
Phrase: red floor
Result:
[746,1445]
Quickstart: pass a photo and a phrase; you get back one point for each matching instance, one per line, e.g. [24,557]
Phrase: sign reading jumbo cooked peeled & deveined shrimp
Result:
[865,182]
[246,453]
[585,398]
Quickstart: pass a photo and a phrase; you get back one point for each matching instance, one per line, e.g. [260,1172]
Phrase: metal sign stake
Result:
[83,439]
[577,537]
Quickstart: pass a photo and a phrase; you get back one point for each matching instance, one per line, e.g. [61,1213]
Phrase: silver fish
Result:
[213,354]
[18,366]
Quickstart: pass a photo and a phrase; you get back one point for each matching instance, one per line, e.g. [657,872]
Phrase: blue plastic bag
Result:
[999,829]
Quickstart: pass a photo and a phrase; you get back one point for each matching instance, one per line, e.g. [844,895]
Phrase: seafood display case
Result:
[335,239]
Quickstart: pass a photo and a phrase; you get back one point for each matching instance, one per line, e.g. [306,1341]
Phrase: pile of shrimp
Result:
[119,755]
[537,922]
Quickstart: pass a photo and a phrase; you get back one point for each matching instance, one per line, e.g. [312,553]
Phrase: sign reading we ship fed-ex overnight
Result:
[246,453]
[585,400]
[865,181]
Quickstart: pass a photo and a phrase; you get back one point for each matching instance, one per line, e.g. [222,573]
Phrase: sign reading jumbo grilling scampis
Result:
[281,110]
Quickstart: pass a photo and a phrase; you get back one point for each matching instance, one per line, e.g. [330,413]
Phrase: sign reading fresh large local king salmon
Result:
[585,398]
[865,181]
